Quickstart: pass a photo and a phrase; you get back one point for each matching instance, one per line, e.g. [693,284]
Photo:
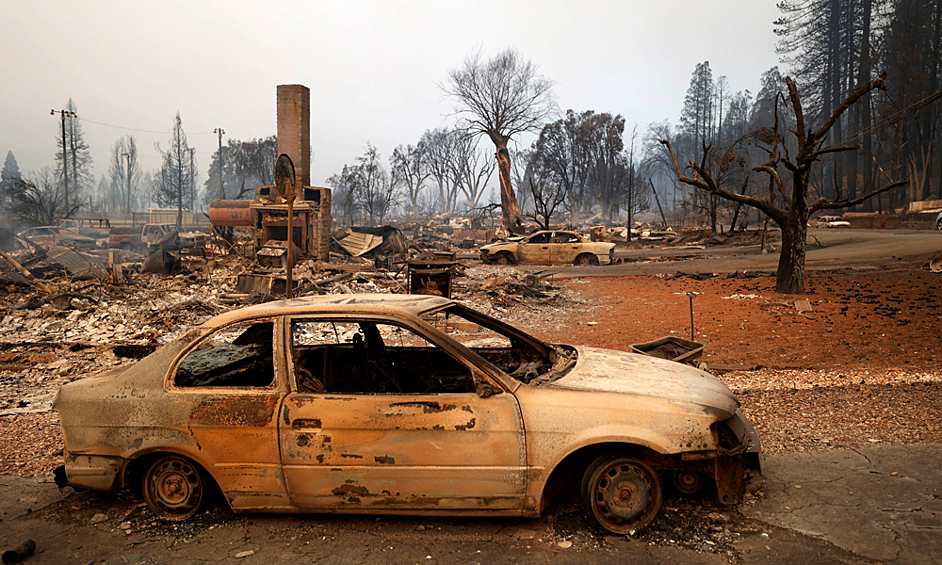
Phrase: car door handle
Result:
[306,424]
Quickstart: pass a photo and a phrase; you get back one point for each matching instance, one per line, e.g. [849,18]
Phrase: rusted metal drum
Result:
[235,213]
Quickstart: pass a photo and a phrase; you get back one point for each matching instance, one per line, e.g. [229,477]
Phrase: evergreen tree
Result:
[10,172]
[696,118]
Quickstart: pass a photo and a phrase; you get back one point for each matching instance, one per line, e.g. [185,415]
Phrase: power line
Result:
[891,119]
[142,130]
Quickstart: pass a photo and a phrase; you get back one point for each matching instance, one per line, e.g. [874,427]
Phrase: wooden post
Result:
[25,272]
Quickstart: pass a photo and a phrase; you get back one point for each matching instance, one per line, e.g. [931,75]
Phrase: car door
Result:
[535,249]
[565,247]
[230,385]
[352,440]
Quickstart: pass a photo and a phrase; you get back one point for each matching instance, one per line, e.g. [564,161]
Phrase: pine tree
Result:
[696,118]
[10,172]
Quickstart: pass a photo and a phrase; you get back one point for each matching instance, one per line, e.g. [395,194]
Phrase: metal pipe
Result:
[19,552]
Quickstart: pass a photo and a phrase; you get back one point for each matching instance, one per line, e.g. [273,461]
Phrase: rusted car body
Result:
[549,248]
[399,404]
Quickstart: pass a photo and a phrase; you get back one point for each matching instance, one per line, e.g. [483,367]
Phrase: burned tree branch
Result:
[823,204]
[709,185]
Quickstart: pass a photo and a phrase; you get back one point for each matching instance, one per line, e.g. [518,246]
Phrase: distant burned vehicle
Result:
[157,235]
[549,248]
[47,236]
[832,222]
[400,404]
[153,234]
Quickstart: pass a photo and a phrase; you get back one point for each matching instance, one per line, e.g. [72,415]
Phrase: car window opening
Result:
[235,356]
[372,358]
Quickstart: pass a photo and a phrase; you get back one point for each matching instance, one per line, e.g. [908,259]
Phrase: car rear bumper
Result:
[94,472]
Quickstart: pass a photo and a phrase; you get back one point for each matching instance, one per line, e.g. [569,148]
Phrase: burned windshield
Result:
[516,353]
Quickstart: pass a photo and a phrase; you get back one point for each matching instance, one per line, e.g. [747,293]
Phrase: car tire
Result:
[622,494]
[504,258]
[173,488]
[938,225]
[585,260]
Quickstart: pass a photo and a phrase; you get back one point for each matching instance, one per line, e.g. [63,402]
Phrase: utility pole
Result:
[127,196]
[192,182]
[222,191]
[65,154]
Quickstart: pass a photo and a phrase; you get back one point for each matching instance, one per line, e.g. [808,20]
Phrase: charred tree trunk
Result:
[510,210]
[790,277]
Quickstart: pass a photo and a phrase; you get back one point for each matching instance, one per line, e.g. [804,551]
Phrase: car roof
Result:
[411,304]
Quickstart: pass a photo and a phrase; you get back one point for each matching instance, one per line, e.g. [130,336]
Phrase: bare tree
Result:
[501,98]
[792,218]
[377,194]
[409,171]
[174,183]
[470,171]
[40,199]
[438,145]
[344,199]
[124,174]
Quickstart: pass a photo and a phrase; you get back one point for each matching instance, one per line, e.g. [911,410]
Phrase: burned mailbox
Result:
[431,277]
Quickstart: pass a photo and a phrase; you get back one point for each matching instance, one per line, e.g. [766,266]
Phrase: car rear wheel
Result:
[621,493]
[504,258]
[173,488]
[585,260]
[938,224]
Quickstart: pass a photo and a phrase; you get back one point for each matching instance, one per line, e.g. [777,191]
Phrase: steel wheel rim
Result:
[625,495]
[173,488]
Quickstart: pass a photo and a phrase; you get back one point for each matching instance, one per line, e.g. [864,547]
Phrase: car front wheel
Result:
[586,259]
[621,493]
[173,488]
[504,259]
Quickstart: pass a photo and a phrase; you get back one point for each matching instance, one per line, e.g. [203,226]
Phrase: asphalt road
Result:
[827,249]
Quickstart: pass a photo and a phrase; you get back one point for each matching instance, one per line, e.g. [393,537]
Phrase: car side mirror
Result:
[485,389]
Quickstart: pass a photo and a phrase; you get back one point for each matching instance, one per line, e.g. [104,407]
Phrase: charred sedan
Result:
[400,404]
[549,248]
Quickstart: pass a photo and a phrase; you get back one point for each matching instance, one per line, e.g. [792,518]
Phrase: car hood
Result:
[498,244]
[605,370]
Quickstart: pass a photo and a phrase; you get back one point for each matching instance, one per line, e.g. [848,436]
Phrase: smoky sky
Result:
[373,67]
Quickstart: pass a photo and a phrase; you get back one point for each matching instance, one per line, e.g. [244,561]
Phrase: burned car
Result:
[550,248]
[400,404]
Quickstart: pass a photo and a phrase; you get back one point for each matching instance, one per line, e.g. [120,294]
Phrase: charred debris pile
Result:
[130,301]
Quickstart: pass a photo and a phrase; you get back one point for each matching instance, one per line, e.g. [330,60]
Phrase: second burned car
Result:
[550,248]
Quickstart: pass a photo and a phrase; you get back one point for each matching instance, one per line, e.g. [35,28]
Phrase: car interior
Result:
[232,357]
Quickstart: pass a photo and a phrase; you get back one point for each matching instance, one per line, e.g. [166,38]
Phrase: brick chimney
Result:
[294,128]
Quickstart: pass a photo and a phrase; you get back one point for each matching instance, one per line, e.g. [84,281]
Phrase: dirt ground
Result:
[858,320]
[861,368]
